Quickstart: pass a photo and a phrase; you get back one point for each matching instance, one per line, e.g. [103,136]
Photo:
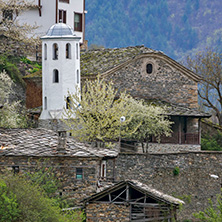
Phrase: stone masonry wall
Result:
[193,184]
[64,169]
[99,212]
[170,148]
[165,83]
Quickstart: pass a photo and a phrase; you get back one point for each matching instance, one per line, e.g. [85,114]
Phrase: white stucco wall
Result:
[57,92]
[71,8]
[48,15]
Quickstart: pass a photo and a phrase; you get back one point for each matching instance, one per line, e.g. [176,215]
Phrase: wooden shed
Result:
[131,201]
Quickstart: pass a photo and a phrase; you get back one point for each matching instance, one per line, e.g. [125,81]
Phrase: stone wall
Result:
[64,169]
[100,212]
[193,184]
[169,148]
[165,83]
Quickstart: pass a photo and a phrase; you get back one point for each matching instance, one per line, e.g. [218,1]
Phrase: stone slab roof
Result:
[155,193]
[177,110]
[98,61]
[43,142]
[142,188]
[105,60]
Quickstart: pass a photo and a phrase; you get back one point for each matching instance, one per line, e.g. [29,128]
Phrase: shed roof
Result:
[141,187]
[44,142]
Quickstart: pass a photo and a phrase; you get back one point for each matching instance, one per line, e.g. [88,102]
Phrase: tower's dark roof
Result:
[60,30]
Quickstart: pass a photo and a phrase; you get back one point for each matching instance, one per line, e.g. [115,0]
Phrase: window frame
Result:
[45,51]
[77,77]
[55,51]
[103,167]
[55,76]
[62,15]
[64,1]
[148,68]
[79,27]
[68,51]
[79,173]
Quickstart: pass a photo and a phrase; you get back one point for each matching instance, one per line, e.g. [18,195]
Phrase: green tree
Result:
[9,211]
[31,203]
[96,115]
[208,64]
[212,213]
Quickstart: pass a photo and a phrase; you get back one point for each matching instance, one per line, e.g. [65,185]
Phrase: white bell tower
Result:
[60,69]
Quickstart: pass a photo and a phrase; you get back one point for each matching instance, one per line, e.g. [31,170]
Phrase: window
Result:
[55,50]
[103,169]
[77,51]
[68,51]
[149,68]
[62,16]
[7,14]
[45,52]
[15,169]
[78,22]
[68,102]
[79,173]
[45,102]
[65,1]
[55,76]
[77,76]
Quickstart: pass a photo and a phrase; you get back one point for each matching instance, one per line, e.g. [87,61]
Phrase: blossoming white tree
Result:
[95,116]
[10,115]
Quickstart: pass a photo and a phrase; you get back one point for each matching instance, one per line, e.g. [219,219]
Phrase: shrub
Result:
[31,203]
[9,211]
[212,213]
[212,143]
[176,171]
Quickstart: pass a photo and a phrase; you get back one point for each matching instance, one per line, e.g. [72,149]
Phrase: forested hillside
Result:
[172,26]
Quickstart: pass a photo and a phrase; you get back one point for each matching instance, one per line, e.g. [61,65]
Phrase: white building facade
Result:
[45,13]
[60,70]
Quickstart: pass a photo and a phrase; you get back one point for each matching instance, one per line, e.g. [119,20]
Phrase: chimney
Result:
[61,148]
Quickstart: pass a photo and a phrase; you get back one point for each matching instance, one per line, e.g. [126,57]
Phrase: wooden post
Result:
[127,192]
[180,130]
[199,131]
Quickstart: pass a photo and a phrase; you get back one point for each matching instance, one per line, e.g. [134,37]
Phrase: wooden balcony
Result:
[180,138]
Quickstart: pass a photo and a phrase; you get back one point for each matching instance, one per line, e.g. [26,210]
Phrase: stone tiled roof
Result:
[175,110]
[43,142]
[98,61]
[178,110]
[155,193]
[139,186]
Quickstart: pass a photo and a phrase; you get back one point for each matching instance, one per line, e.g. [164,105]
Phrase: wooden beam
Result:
[199,131]
[40,8]
[127,192]
[179,131]
[118,195]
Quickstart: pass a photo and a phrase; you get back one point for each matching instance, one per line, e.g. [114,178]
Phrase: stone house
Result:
[131,201]
[77,165]
[150,75]
[154,77]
